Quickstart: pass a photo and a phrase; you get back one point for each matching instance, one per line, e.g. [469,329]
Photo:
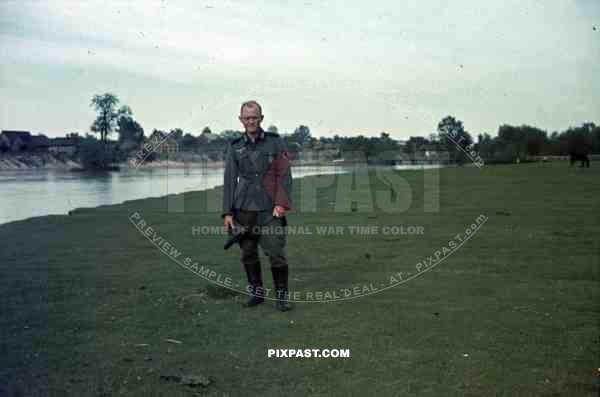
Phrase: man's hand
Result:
[228,222]
[278,211]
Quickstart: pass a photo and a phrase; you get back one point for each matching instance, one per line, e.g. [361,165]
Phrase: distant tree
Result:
[106,118]
[206,131]
[230,134]
[453,138]
[486,138]
[93,154]
[514,139]
[451,126]
[301,135]
[536,139]
[131,133]
[176,134]
[485,146]
[596,139]
[124,111]
[580,139]
[190,142]
[552,145]
[325,140]
[272,129]
[378,145]
[355,146]
[521,141]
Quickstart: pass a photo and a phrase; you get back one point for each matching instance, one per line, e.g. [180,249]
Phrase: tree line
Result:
[512,143]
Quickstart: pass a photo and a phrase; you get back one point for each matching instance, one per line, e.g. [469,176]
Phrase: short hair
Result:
[252,104]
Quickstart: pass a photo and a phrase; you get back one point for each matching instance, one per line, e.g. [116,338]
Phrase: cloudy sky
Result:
[382,66]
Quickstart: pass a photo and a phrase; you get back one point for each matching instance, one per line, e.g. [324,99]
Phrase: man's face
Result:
[251,119]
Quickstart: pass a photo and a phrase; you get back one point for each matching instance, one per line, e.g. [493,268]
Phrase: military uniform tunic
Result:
[257,178]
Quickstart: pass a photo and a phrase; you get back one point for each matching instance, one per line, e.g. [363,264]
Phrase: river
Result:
[25,194]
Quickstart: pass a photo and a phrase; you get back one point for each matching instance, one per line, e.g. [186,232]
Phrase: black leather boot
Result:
[256,298]
[254,274]
[280,279]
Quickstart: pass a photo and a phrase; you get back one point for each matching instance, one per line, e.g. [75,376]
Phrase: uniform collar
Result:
[261,136]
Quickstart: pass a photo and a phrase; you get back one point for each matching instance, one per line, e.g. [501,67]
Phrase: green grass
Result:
[521,297]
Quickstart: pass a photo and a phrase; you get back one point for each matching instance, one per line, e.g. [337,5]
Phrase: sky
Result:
[340,67]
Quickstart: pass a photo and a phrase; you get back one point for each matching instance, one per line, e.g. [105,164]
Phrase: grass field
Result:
[87,301]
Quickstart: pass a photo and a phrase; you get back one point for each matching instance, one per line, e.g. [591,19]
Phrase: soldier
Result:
[257,190]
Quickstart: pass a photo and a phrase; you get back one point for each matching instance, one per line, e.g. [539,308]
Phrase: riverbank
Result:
[92,306]
[49,162]
[37,162]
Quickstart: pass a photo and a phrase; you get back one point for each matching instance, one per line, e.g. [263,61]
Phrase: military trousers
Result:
[266,231]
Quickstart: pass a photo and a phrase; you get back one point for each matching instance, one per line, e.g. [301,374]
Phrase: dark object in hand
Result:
[236,234]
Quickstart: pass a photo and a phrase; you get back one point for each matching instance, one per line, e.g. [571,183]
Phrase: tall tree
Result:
[106,118]
[536,139]
[580,140]
[301,135]
[454,138]
[514,139]
[131,133]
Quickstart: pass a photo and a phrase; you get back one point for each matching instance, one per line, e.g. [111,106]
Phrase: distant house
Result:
[24,142]
[63,145]
[168,145]
[15,141]
[39,143]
